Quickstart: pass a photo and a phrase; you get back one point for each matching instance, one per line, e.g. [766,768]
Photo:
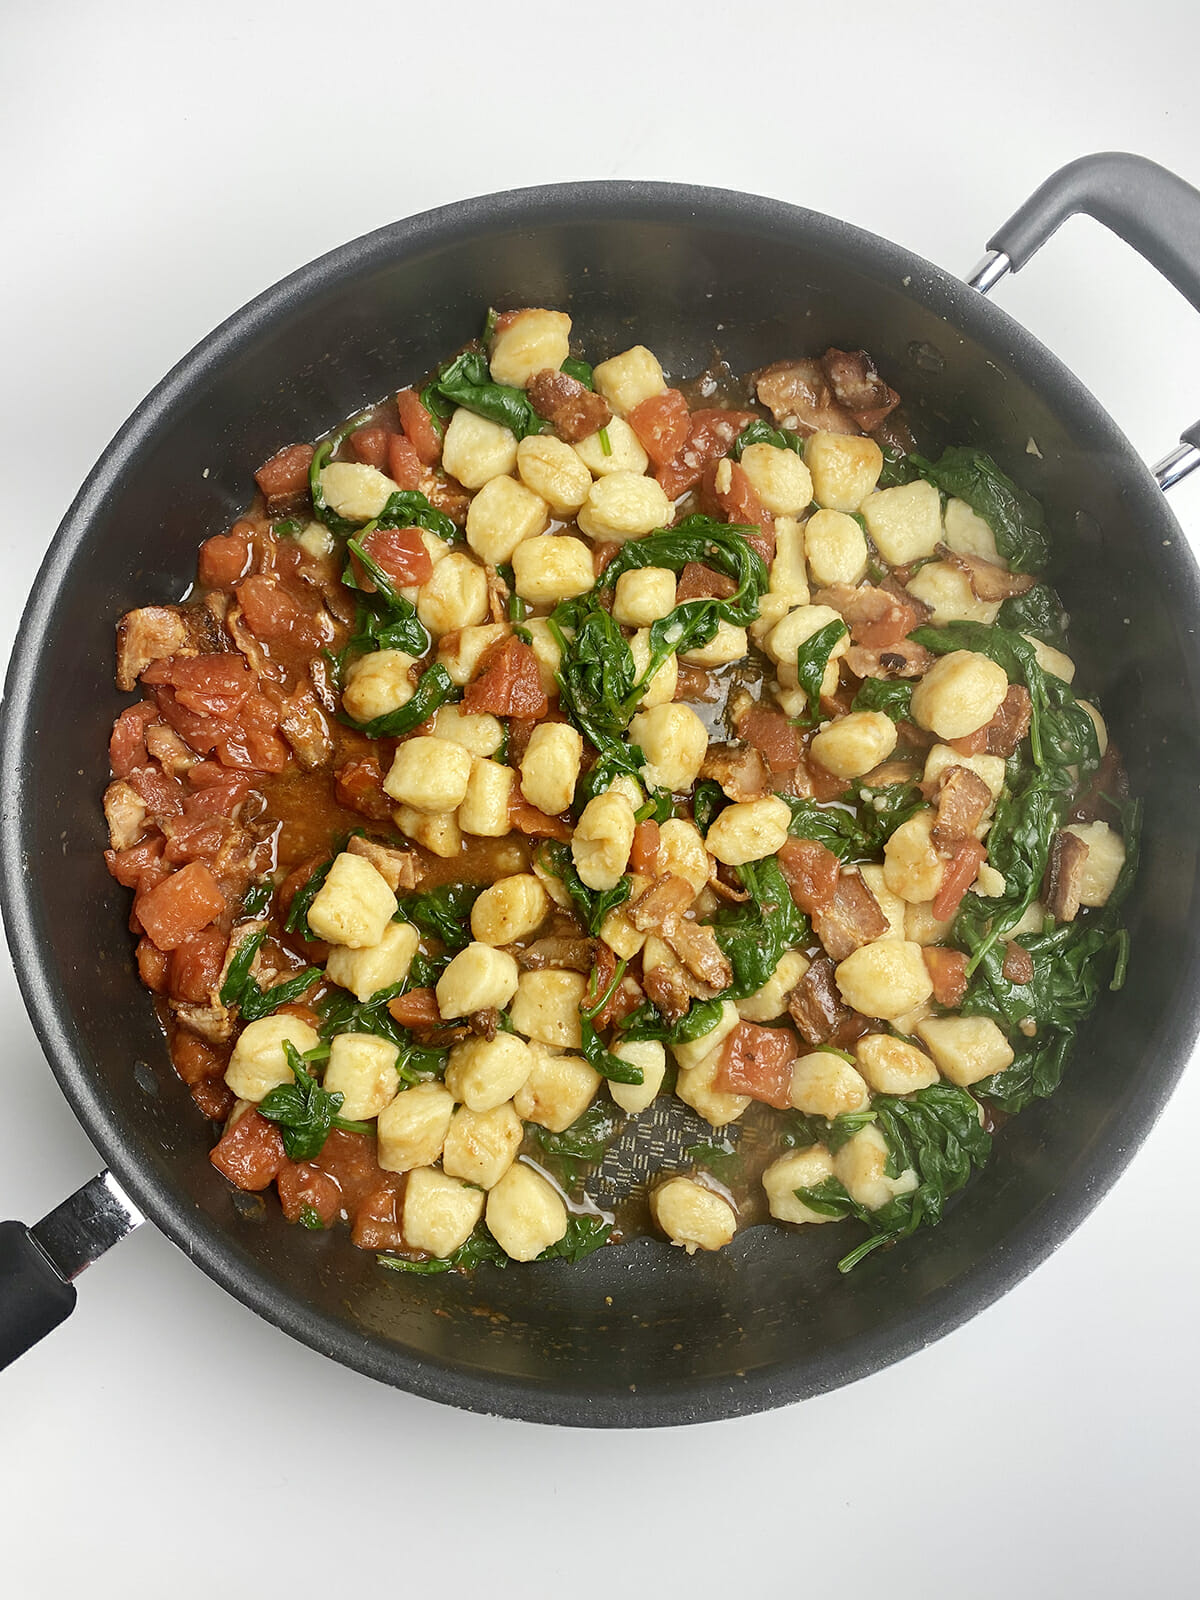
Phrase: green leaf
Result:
[719,1159]
[444,912]
[892,696]
[1015,517]
[434,689]
[297,917]
[241,990]
[647,1022]
[257,900]
[761,432]
[585,1234]
[322,456]
[588,1137]
[409,508]
[479,1248]
[811,660]
[579,370]
[465,381]
[708,800]
[303,1111]
[897,469]
[593,905]
[830,1199]
[310,1218]
[1037,612]
[858,832]
[605,443]
[757,933]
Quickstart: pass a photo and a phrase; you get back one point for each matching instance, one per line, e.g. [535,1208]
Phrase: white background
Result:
[162,164]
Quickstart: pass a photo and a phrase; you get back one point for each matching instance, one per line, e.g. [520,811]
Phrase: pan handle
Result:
[38,1265]
[1144,204]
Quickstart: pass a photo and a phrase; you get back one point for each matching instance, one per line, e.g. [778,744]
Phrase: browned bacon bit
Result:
[1109,782]
[811,872]
[669,987]
[484,1023]
[694,683]
[658,908]
[853,918]
[741,771]
[401,870]
[963,800]
[564,953]
[947,972]
[798,395]
[904,659]
[284,478]
[151,633]
[1064,876]
[1011,723]
[987,580]
[302,723]
[698,582]
[416,1009]
[721,881]
[877,618]
[1018,963]
[697,947]
[857,385]
[359,785]
[572,410]
[816,1005]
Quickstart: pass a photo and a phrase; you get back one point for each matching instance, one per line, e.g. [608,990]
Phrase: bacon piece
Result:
[643,857]
[659,907]
[275,613]
[305,1187]
[905,659]
[223,560]
[757,1062]
[419,427]
[527,819]
[947,972]
[853,918]
[127,744]
[251,1153]
[877,618]
[710,435]
[401,870]
[125,814]
[180,905]
[960,874]
[669,987]
[194,1060]
[509,683]
[131,865]
[697,948]
[163,796]
[799,396]
[661,424]
[401,553]
[1011,722]
[195,965]
[165,746]
[416,1009]
[963,800]
[284,478]
[812,874]
[741,771]
[303,725]
[359,785]
[698,582]
[572,409]
[145,635]
[1018,963]
[1063,882]
[815,1004]
[558,951]
[858,387]
[773,734]
[988,581]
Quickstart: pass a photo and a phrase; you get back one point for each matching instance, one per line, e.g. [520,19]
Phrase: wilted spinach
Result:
[585,1233]
[466,381]
[755,934]
[304,1111]
[444,912]
[855,833]
[479,1248]
[812,658]
[593,905]
[761,432]
[1014,516]
[434,689]
[892,696]
[241,990]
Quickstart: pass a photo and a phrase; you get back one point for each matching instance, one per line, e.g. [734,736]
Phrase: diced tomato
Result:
[698,582]
[180,905]
[252,748]
[129,866]
[223,560]
[349,1159]
[644,855]
[419,427]
[822,784]
[163,796]
[220,798]
[275,613]
[193,1059]
[152,966]
[213,685]
[359,785]
[195,966]
[739,501]
[370,446]
[404,466]
[527,819]
[757,1062]
[196,841]
[710,435]
[661,424]
[127,745]
[960,874]
[251,1153]
[509,683]
[214,1098]
[286,473]
[401,553]
[1018,963]
[375,1223]
[416,1009]
[302,1185]
[302,1013]
[811,872]
[947,972]
[771,733]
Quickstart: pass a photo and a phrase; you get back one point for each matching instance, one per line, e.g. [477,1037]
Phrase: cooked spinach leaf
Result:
[761,432]
[892,696]
[719,1159]
[585,1233]
[579,370]
[241,990]
[322,456]
[801,1131]
[855,833]
[648,1023]
[1015,517]
[256,900]
[708,800]
[755,934]
[594,1050]
[897,469]
[409,508]
[593,905]
[479,1248]
[1037,612]
[466,381]
[296,920]
[434,689]
[444,912]
[304,1111]
[811,660]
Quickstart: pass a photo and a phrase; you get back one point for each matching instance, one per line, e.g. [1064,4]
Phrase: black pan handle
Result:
[38,1265]
[1150,208]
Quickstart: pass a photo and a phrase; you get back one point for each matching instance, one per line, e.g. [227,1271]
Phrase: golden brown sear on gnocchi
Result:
[558,751]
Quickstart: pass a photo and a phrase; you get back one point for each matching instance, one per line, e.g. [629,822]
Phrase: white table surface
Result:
[163,164]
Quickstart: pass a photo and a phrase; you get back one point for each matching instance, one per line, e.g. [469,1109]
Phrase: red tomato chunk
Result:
[401,553]
[661,424]
[250,1154]
[811,872]
[509,684]
[180,905]
[301,1185]
[223,560]
[758,1062]
[286,473]
[959,876]
[419,427]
